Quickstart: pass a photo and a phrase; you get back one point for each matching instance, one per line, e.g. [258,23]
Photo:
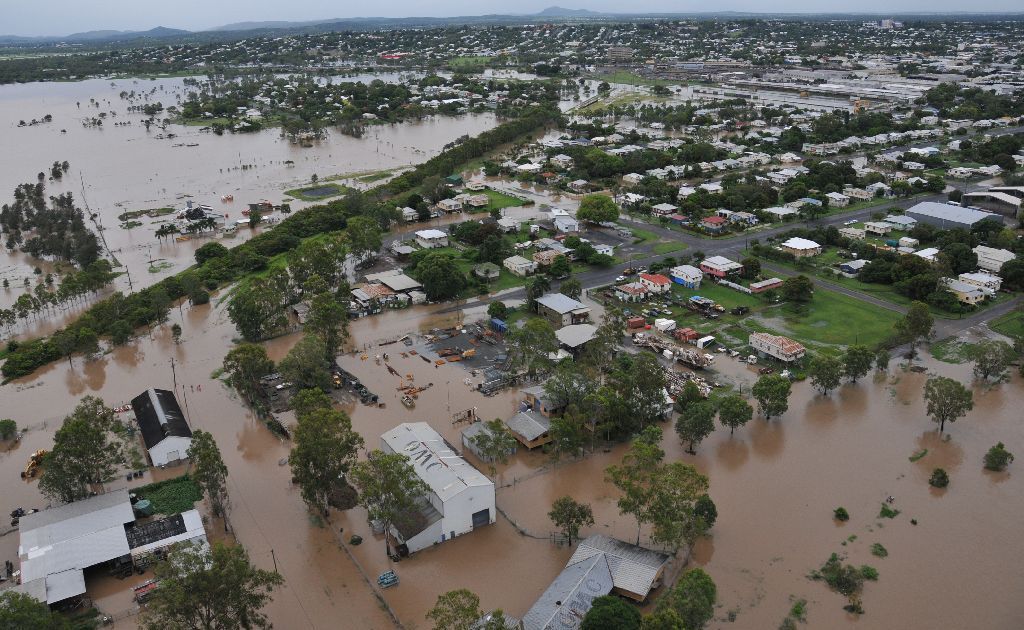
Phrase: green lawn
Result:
[469,62]
[629,78]
[952,350]
[499,200]
[667,247]
[316,192]
[833,319]
[1011,324]
[172,496]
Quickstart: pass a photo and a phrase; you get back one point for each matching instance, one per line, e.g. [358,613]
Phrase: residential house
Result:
[519,266]
[487,271]
[720,266]
[901,221]
[663,210]
[409,214]
[431,239]
[579,186]
[988,282]
[469,437]
[687,275]
[875,187]
[546,257]
[562,310]
[745,218]
[713,224]
[856,234]
[459,499]
[992,258]
[562,161]
[965,292]
[878,228]
[566,224]
[800,247]
[508,225]
[632,179]
[450,205]
[655,283]
[837,200]
[776,346]
[859,194]
[931,254]
[536,399]
[600,566]
[780,213]
[575,337]
[631,292]
[765,285]
[531,428]
[852,267]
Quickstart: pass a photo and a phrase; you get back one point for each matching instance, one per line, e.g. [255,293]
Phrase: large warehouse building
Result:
[164,428]
[947,216]
[461,498]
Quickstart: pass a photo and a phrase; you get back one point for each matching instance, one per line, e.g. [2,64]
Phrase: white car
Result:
[850,222]
[620,278]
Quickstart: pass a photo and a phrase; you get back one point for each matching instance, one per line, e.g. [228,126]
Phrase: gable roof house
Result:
[531,428]
[163,426]
[601,565]
[562,310]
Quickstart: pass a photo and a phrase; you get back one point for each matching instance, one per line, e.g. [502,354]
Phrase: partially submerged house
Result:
[460,499]
[600,566]
[163,426]
[562,310]
[531,428]
[777,346]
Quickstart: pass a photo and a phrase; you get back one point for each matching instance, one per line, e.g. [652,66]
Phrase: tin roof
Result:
[634,569]
[436,463]
[159,416]
[529,424]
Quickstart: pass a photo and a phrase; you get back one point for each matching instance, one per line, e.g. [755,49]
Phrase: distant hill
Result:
[153,33]
[563,12]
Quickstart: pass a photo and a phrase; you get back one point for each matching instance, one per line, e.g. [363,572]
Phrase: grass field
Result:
[667,247]
[499,200]
[1011,324]
[172,496]
[318,192]
[469,62]
[833,319]
[629,78]
[952,350]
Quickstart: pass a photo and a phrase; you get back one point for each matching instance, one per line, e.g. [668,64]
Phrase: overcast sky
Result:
[61,17]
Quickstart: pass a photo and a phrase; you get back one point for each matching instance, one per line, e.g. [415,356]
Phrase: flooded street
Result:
[121,168]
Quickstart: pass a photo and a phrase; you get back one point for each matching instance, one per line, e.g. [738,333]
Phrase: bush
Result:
[172,496]
[878,550]
[998,458]
[939,478]
[840,514]
[8,428]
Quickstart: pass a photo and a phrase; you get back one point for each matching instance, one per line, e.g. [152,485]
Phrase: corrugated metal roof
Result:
[560,303]
[74,536]
[60,586]
[568,598]
[438,465]
[947,212]
[529,424]
[633,568]
[575,334]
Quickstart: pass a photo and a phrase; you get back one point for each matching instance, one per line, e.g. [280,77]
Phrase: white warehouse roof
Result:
[436,463]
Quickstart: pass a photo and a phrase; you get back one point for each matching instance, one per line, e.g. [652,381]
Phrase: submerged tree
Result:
[325,449]
[88,448]
[209,471]
[389,489]
[456,610]
[946,400]
[569,515]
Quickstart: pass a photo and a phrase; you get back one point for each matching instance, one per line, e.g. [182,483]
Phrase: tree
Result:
[210,251]
[706,509]
[209,471]
[19,611]
[635,476]
[569,515]
[992,358]
[305,366]
[695,423]
[751,267]
[440,276]
[245,365]
[664,619]
[87,449]
[364,237]
[826,372]
[495,443]
[639,381]
[798,289]
[939,478]
[568,433]
[572,287]
[455,610]
[734,412]
[772,395]
[693,598]
[959,257]
[882,359]
[309,400]
[535,288]
[560,268]
[998,458]
[530,345]
[857,362]
[8,429]
[915,325]
[497,309]
[214,588]
[597,209]
[609,612]
[388,488]
[176,333]
[257,311]
[325,449]
[946,400]
[328,321]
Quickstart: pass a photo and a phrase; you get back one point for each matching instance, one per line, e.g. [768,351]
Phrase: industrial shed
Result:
[461,498]
[164,428]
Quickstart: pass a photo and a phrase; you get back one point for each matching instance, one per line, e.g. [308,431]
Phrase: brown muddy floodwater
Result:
[124,168]
[775,485]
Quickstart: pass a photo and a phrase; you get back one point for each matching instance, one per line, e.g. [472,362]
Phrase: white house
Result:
[687,275]
[566,224]
[450,205]
[519,266]
[992,258]
[988,282]
[800,247]
[632,179]
[460,498]
[163,426]
[430,239]
[655,282]
[838,200]
[663,210]
[880,228]
[409,214]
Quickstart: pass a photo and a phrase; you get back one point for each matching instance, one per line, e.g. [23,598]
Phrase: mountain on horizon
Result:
[557,11]
[106,35]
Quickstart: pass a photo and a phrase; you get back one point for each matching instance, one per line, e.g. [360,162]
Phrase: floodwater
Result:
[119,168]
[775,485]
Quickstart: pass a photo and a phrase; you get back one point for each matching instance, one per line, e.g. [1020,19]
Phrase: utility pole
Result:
[275,560]
[174,374]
